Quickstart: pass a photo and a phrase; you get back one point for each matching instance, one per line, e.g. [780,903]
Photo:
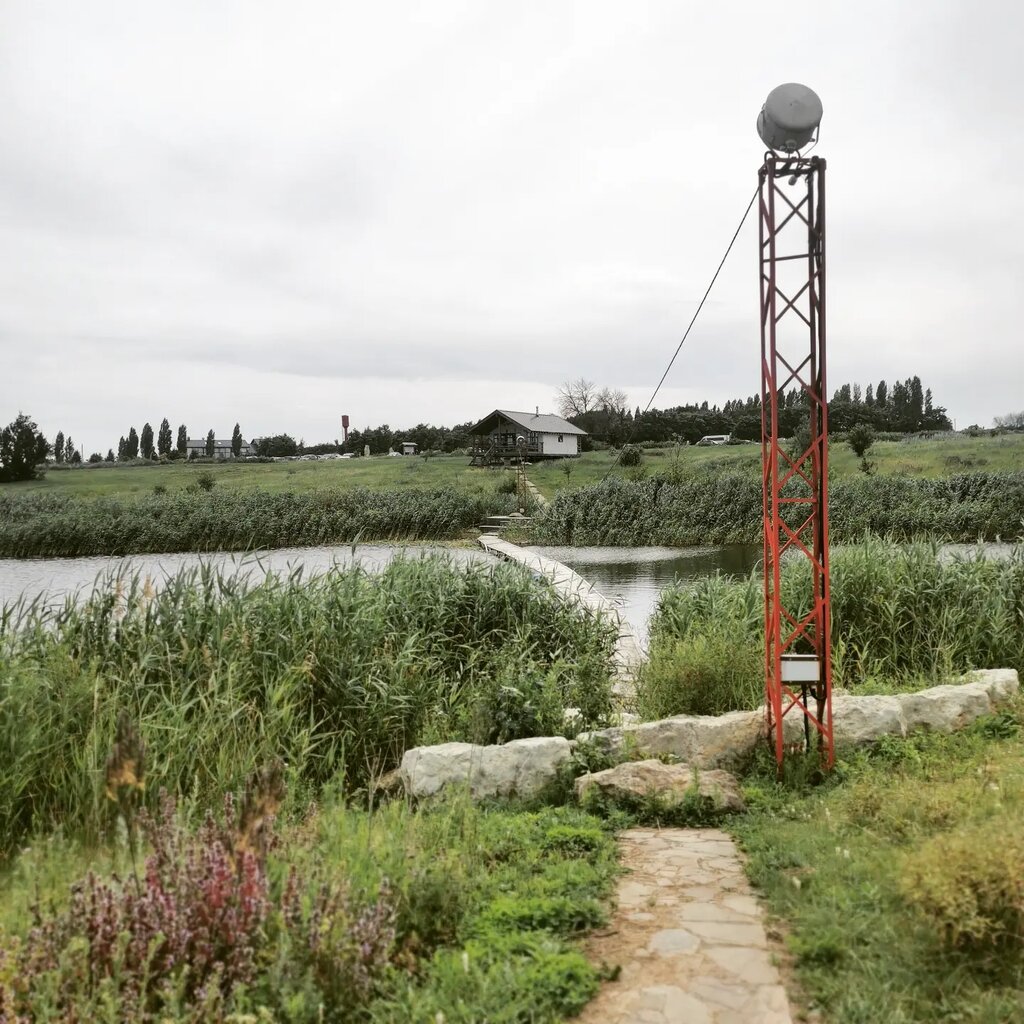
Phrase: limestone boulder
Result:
[1002,683]
[704,741]
[860,720]
[669,783]
[945,708]
[520,768]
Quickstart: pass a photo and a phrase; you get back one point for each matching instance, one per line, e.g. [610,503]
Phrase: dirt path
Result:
[689,936]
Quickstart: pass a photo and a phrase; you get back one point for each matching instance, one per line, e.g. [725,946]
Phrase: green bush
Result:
[630,455]
[969,885]
[708,673]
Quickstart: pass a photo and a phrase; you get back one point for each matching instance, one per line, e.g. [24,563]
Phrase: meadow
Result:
[896,881]
[912,456]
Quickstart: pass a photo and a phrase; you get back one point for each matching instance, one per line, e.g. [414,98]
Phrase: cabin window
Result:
[559,438]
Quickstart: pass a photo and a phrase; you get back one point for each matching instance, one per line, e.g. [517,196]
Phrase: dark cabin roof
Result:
[542,424]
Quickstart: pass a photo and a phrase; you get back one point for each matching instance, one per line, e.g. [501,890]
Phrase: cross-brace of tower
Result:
[798,662]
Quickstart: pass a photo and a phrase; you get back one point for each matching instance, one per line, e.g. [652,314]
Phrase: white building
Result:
[496,437]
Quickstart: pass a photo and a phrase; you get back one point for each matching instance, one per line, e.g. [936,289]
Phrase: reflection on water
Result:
[635,577]
[58,577]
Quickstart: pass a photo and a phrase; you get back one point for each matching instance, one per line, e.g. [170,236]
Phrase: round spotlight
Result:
[789,118]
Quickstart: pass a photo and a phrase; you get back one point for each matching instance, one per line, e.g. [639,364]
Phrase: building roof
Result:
[543,423]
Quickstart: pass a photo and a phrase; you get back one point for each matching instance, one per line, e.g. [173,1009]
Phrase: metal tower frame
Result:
[798,659]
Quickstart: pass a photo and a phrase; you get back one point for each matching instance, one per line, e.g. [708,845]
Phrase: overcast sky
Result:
[280,212]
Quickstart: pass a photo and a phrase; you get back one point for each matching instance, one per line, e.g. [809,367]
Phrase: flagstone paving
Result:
[689,937]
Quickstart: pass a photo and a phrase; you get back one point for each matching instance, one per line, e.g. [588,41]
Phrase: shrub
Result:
[969,885]
[196,933]
[860,439]
[630,455]
[710,672]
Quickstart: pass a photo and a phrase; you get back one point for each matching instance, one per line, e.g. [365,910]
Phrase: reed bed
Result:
[725,508]
[52,525]
[338,675]
[902,614]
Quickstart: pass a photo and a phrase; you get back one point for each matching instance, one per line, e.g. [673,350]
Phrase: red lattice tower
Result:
[798,662]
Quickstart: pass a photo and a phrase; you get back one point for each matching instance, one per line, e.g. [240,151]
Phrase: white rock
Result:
[667,782]
[946,708]
[519,768]
[860,720]
[705,741]
[1002,683]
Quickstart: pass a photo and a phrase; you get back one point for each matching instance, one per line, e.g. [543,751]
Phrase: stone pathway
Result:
[688,935]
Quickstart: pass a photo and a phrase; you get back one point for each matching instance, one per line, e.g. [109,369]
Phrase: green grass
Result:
[837,862]
[916,457]
[902,617]
[338,675]
[488,907]
[444,471]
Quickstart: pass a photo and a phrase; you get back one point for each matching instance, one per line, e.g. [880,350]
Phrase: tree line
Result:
[906,407]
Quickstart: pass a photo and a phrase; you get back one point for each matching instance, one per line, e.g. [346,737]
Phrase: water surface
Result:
[56,578]
[635,577]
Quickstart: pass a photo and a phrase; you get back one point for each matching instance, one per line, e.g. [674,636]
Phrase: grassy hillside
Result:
[930,457]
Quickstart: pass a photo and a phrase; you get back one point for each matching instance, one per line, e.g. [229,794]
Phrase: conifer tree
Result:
[163,439]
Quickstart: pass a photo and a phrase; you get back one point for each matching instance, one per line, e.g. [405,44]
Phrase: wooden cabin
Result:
[496,437]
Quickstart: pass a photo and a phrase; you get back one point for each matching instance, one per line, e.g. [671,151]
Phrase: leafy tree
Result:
[122,450]
[211,444]
[1011,421]
[146,442]
[236,441]
[76,457]
[881,394]
[69,450]
[860,439]
[132,445]
[279,446]
[58,447]
[163,439]
[182,444]
[95,457]
[22,448]
[110,454]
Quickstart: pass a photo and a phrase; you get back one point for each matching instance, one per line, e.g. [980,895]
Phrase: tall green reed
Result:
[725,508]
[34,524]
[900,613]
[338,675]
